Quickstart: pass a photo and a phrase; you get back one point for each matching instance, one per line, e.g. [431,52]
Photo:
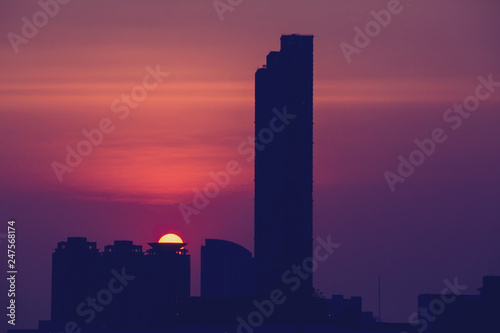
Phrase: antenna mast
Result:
[379,308]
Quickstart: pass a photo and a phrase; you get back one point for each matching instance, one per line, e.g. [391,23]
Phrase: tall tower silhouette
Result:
[284,163]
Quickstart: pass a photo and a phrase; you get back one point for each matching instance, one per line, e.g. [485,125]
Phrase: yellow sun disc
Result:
[170,238]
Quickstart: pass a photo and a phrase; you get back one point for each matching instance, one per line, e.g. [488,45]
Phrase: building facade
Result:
[227,269]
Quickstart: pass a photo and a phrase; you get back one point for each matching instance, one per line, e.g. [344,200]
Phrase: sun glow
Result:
[170,238]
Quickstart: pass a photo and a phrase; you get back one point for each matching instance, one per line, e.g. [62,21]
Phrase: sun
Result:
[170,238]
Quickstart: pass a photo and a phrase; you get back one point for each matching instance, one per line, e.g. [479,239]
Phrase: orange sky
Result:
[67,76]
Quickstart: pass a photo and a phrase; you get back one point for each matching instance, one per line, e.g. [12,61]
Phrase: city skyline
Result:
[151,291]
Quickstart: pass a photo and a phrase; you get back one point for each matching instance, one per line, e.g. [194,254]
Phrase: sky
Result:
[442,222]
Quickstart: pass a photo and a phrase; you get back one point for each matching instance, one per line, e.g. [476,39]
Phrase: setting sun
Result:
[170,238]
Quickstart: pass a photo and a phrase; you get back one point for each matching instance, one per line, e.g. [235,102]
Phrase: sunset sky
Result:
[441,223]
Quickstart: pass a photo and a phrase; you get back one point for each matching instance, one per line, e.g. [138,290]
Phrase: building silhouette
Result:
[122,255]
[168,276]
[490,295]
[227,269]
[75,276]
[460,312]
[88,286]
[284,163]
[348,312]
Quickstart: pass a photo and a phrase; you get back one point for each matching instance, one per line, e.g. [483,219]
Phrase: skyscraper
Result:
[284,162]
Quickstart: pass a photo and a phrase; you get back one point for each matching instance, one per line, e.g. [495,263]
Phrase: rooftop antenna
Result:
[379,308]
